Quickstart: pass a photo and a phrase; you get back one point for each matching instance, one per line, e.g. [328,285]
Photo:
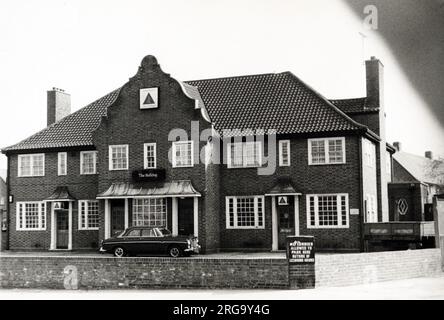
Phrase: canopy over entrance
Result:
[60,194]
[181,188]
[283,187]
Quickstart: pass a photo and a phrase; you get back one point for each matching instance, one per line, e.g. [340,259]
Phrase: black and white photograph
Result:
[209,150]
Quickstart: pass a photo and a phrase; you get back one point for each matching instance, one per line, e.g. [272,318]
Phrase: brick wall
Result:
[111,273]
[362,268]
[343,178]
[82,187]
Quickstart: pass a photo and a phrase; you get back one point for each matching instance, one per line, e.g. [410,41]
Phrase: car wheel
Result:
[119,252]
[174,252]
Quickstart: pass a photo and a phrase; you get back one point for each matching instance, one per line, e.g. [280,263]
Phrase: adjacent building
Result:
[241,162]
[3,195]
[416,180]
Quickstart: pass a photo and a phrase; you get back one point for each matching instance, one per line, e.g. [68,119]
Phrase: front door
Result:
[117,216]
[285,209]
[186,216]
[62,229]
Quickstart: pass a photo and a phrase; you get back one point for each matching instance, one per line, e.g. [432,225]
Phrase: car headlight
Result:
[189,243]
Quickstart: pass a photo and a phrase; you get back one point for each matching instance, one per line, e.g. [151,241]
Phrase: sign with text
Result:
[149,175]
[300,250]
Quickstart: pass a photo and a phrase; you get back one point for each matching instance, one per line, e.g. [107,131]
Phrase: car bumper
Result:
[193,250]
[102,250]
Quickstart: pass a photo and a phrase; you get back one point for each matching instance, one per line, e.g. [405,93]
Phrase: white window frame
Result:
[110,162]
[175,144]
[338,210]
[59,163]
[281,152]
[372,209]
[145,155]
[244,165]
[41,212]
[369,153]
[256,213]
[135,205]
[32,174]
[87,227]
[326,150]
[82,153]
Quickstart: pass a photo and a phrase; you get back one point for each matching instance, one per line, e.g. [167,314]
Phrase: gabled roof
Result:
[356,105]
[274,101]
[72,131]
[421,168]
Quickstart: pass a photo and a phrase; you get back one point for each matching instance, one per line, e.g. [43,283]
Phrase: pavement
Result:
[431,288]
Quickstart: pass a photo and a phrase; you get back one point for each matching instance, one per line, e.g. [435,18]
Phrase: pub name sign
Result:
[149,175]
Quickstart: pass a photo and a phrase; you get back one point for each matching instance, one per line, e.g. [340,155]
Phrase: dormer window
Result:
[149,98]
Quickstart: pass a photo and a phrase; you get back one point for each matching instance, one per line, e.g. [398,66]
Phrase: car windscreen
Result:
[165,232]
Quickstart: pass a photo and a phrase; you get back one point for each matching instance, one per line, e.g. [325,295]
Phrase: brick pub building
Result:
[118,162]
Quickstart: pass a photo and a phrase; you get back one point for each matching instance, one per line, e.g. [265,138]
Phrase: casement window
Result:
[369,153]
[118,157]
[183,154]
[371,209]
[149,212]
[62,159]
[149,156]
[326,151]
[88,162]
[88,215]
[244,154]
[31,216]
[284,153]
[31,165]
[245,212]
[327,211]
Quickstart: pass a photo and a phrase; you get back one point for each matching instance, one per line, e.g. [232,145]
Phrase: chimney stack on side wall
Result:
[375,100]
[397,146]
[429,155]
[58,104]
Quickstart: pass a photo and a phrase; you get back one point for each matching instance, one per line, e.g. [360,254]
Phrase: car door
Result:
[148,241]
[132,240]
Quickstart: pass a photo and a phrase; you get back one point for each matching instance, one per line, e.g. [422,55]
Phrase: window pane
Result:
[317,151]
[335,153]
[245,212]
[88,162]
[284,153]
[149,212]
[183,154]
[327,211]
[119,157]
[150,151]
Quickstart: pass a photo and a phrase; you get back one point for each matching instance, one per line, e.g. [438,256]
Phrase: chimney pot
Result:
[58,105]
[397,146]
[429,155]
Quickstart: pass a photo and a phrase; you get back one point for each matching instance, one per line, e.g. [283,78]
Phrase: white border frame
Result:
[256,213]
[81,162]
[338,210]
[32,155]
[145,153]
[175,143]
[79,215]
[110,156]
[281,147]
[327,156]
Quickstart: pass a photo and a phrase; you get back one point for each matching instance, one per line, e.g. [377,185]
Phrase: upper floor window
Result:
[244,154]
[183,154]
[150,161]
[284,153]
[31,216]
[369,153]
[62,163]
[388,165]
[245,212]
[326,151]
[88,162]
[31,165]
[118,157]
[88,215]
[326,211]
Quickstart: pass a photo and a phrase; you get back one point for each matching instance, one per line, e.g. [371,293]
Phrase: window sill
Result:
[328,228]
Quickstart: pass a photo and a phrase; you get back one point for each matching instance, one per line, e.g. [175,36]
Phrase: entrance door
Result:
[285,209]
[117,216]
[62,229]
[186,216]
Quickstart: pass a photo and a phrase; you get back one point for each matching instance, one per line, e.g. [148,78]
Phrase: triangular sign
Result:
[283,200]
[148,99]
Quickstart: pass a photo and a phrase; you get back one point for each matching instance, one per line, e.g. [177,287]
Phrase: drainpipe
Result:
[8,205]
[361,195]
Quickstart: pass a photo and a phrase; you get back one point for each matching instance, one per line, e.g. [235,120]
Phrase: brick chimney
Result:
[375,100]
[398,146]
[429,155]
[58,105]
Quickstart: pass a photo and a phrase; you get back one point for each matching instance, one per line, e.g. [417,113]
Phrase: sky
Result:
[90,48]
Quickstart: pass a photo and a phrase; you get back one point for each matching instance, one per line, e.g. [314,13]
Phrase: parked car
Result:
[149,240]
